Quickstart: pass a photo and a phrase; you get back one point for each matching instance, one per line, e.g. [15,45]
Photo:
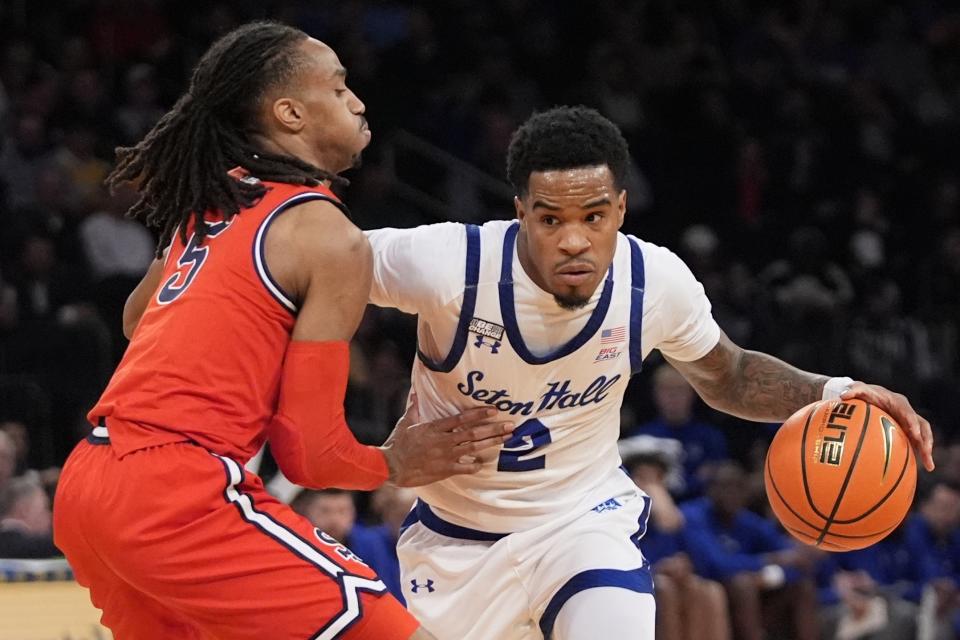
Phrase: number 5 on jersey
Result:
[526,438]
[189,263]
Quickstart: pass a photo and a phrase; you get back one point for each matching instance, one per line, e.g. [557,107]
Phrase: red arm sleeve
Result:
[309,437]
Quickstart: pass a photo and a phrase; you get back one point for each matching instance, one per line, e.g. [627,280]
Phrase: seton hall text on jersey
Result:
[558,395]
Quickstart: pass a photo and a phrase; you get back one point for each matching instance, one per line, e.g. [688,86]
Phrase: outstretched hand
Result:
[916,427]
[419,453]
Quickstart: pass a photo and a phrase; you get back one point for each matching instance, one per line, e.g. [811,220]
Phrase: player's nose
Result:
[573,242]
[356,105]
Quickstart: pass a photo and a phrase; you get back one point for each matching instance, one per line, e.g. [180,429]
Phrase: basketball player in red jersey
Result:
[239,334]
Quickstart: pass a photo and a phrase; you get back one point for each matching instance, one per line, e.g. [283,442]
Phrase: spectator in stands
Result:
[114,245]
[330,510]
[19,434]
[390,505]
[379,379]
[869,240]
[60,338]
[765,575]
[888,564]
[808,298]
[689,607]
[141,108]
[25,521]
[864,592]
[865,613]
[885,344]
[335,512]
[730,286]
[118,251]
[85,171]
[43,285]
[702,442]
[932,538]
[17,437]
[21,158]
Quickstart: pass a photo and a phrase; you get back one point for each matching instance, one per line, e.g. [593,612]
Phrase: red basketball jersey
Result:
[204,362]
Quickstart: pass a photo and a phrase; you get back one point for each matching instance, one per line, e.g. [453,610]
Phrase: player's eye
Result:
[340,92]
[594,217]
[549,220]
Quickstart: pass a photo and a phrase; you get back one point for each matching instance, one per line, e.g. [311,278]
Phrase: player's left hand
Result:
[896,404]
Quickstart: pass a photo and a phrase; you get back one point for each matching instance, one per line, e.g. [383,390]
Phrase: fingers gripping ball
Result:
[840,474]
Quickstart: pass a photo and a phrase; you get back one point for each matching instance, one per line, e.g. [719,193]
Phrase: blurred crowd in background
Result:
[800,156]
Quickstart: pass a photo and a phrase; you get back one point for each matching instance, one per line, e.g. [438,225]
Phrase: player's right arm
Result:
[751,384]
[418,270]
[324,262]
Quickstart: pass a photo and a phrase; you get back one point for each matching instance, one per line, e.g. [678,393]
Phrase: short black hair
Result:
[566,137]
[306,497]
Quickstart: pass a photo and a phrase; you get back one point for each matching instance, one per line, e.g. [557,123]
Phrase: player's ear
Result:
[518,207]
[289,114]
[621,207]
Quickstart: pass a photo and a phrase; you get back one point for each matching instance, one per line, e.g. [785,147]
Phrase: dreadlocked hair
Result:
[180,167]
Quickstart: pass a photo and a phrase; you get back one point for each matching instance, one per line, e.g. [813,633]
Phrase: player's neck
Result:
[294,148]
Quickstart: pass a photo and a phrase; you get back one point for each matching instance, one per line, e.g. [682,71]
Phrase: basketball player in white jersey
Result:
[545,318]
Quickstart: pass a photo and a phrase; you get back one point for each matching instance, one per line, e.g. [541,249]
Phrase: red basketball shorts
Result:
[176,542]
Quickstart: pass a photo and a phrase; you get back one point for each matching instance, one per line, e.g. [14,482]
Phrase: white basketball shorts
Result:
[464,584]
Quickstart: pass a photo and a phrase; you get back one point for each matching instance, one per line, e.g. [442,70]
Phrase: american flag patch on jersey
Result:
[616,334]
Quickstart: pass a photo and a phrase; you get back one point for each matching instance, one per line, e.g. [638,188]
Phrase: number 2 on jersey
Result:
[189,263]
[526,438]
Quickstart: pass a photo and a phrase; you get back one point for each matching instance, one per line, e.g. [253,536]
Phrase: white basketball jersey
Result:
[564,399]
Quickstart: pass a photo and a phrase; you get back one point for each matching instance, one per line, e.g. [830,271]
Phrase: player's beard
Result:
[357,160]
[571,302]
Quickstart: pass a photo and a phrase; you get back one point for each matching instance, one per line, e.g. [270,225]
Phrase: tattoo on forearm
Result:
[750,384]
[770,389]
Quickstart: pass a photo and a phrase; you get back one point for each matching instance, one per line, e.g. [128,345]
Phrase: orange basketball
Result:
[840,474]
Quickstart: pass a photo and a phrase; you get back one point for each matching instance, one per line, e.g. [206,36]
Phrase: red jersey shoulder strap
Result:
[281,198]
